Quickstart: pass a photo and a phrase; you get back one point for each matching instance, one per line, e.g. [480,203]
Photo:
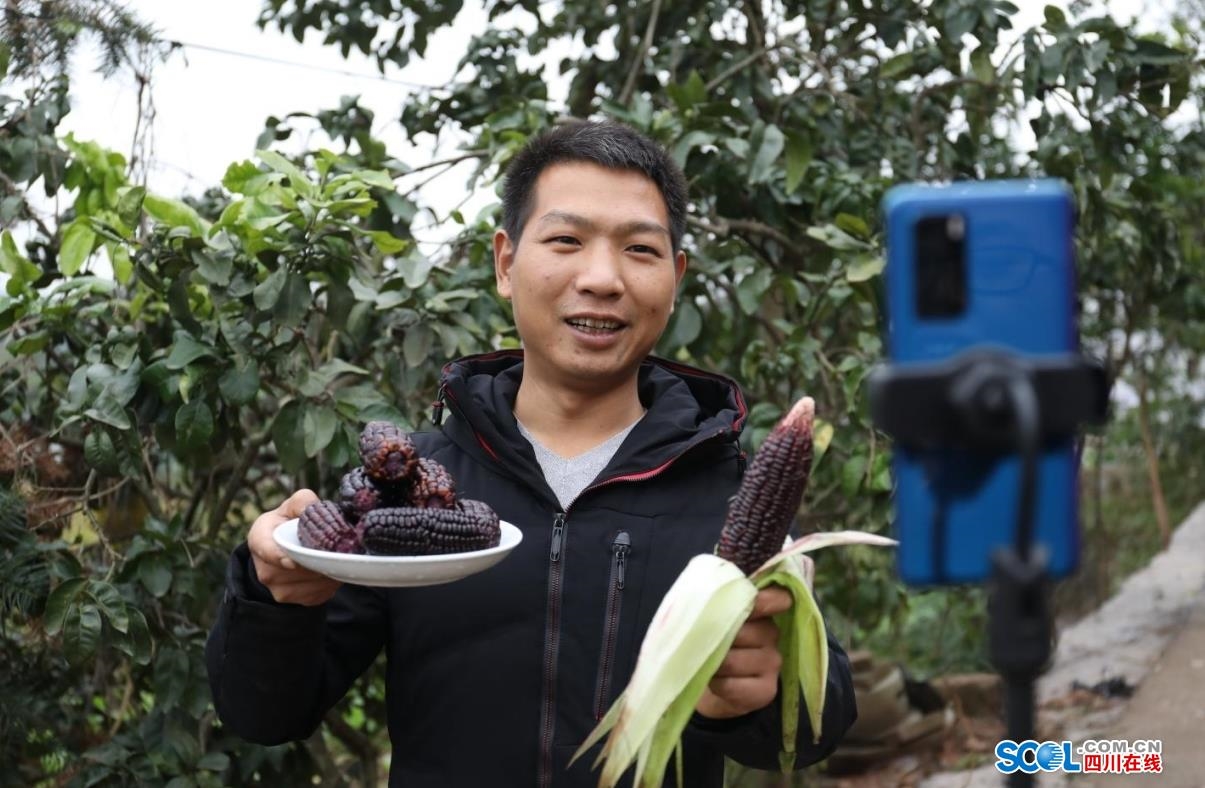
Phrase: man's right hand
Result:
[288,582]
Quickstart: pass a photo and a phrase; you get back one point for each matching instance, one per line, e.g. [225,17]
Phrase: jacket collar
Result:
[686,407]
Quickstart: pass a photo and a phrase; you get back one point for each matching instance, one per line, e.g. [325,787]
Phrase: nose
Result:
[601,271]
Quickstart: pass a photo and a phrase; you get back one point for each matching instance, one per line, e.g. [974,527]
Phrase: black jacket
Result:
[496,679]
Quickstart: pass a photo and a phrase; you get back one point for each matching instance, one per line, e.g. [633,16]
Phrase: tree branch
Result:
[919,102]
[237,480]
[629,84]
[726,227]
[738,66]
[472,154]
[355,741]
[12,186]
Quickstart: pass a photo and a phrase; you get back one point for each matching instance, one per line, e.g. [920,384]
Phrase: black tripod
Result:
[998,402]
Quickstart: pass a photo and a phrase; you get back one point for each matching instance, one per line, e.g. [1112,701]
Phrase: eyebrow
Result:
[626,228]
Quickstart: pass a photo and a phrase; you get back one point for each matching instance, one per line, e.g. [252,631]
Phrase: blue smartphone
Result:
[971,265]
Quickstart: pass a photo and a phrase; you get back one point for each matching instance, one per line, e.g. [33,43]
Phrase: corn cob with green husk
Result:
[699,618]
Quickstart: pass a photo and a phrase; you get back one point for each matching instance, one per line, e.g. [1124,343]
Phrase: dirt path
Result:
[1150,635]
[1170,705]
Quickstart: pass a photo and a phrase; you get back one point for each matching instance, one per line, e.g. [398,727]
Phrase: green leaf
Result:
[690,141]
[238,174]
[320,424]
[268,291]
[416,346]
[123,387]
[99,451]
[896,66]
[288,435]
[297,179]
[386,242]
[1056,20]
[689,94]
[750,289]
[239,384]
[186,350]
[864,268]
[60,603]
[14,263]
[688,324]
[123,266]
[295,301]
[83,639]
[880,473]
[29,344]
[194,424]
[174,213]
[214,762]
[772,144]
[155,573]
[78,240]
[443,300]
[799,157]
[214,266]
[129,205]
[1156,53]
[107,410]
[415,271]
[378,178]
[853,225]
[365,403]
[822,438]
[852,473]
[109,601]
[137,644]
[836,238]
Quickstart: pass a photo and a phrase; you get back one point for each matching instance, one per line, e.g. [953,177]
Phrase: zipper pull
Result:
[742,463]
[437,408]
[558,535]
[620,548]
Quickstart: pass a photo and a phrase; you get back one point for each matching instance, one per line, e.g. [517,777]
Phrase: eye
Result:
[562,240]
[645,250]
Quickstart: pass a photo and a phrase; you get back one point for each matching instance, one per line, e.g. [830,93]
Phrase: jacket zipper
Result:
[552,625]
[556,571]
[552,644]
[606,662]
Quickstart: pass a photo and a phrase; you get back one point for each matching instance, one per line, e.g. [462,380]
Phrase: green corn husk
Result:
[690,635]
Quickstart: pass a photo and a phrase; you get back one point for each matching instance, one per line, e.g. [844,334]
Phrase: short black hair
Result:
[605,143]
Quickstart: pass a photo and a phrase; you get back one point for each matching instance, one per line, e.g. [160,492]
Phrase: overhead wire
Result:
[174,43]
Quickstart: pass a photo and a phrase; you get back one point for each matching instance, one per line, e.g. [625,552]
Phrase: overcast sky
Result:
[210,106]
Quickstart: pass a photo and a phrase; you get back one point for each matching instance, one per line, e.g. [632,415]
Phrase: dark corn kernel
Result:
[359,495]
[760,513]
[323,527]
[406,530]
[432,486]
[387,453]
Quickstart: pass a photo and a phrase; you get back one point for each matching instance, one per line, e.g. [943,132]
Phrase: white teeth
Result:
[587,322]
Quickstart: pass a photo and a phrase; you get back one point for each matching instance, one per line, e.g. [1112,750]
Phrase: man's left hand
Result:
[748,677]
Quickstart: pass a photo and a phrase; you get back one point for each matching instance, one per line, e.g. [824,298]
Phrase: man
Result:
[616,466]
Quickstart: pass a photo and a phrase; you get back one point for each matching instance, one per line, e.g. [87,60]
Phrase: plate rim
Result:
[395,560]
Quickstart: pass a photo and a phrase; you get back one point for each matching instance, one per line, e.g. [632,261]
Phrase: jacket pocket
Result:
[620,547]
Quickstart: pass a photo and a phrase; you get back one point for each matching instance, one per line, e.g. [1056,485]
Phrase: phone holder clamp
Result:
[994,400]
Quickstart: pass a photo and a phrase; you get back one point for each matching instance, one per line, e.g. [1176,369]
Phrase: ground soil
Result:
[1132,669]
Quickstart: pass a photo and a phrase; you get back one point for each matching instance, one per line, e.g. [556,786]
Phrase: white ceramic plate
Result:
[395,571]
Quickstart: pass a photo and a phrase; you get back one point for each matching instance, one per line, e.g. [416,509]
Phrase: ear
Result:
[679,271]
[504,258]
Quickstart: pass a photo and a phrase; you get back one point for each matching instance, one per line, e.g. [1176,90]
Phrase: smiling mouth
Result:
[595,326]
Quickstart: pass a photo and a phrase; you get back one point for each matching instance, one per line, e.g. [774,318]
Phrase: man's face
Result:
[593,277]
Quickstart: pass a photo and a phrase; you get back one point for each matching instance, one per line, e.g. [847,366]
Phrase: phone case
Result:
[953,508]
